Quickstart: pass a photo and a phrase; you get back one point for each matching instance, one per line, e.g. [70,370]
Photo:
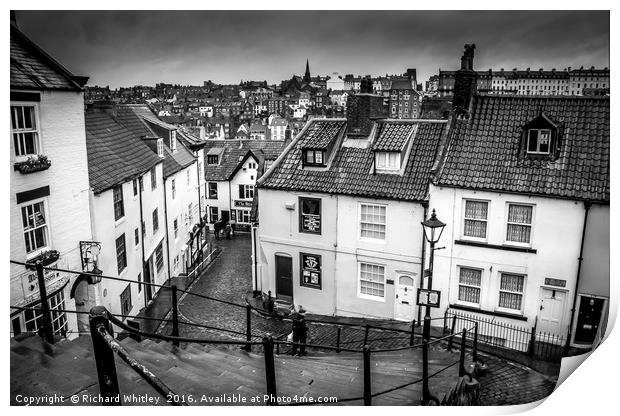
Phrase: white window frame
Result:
[209,190]
[499,290]
[360,222]
[383,161]
[38,143]
[537,151]
[240,215]
[359,282]
[160,147]
[248,192]
[531,225]
[486,220]
[48,233]
[173,141]
[459,284]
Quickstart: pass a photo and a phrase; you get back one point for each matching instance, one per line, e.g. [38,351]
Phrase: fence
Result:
[542,345]
[105,345]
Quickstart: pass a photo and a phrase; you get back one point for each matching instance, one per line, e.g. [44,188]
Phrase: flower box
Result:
[33,164]
[46,258]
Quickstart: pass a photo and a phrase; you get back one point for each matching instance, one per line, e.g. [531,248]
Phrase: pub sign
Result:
[310,270]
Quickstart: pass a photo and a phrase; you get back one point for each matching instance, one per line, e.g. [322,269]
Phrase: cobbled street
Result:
[229,278]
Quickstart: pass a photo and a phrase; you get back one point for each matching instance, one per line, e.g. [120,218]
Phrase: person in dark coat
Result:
[300,331]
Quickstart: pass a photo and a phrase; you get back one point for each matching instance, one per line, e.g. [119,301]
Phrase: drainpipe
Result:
[425,206]
[142,233]
[255,254]
[166,224]
[586,206]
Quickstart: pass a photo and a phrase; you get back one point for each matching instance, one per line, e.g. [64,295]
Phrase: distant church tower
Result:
[307,74]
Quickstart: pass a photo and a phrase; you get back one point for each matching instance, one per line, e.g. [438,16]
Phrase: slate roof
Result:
[320,135]
[393,136]
[115,154]
[401,84]
[484,152]
[134,116]
[32,68]
[232,153]
[351,173]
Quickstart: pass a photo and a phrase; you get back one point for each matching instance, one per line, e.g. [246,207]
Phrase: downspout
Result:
[586,206]
[142,232]
[255,254]
[425,206]
[336,259]
[199,197]
[166,221]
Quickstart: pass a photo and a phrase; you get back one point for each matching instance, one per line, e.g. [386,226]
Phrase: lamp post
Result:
[433,228]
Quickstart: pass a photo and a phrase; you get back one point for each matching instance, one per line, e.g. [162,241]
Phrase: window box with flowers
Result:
[33,164]
[46,257]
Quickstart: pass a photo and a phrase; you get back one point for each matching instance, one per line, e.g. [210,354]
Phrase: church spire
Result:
[307,74]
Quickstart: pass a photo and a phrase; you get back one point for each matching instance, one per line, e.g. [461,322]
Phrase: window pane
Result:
[476,209]
[318,155]
[477,229]
[520,214]
[469,294]
[533,141]
[470,276]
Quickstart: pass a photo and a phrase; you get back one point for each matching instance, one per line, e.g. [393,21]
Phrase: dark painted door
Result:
[284,277]
[225,216]
[589,319]
[148,269]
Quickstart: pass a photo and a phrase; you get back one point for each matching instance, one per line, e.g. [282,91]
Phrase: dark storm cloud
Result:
[141,47]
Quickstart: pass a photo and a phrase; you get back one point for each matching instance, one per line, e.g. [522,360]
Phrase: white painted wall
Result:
[62,134]
[341,248]
[556,235]
[244,176]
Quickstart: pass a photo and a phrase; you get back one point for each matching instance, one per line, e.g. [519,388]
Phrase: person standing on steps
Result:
[300,330]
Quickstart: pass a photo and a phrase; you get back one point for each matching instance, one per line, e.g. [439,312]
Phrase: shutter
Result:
[241,196]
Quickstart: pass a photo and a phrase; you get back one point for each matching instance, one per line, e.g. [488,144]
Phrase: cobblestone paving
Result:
[229,278]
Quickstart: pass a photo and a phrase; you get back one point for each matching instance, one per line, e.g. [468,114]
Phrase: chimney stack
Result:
[363,109]
[465,81]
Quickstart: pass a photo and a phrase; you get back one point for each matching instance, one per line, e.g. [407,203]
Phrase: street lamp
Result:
[433,228]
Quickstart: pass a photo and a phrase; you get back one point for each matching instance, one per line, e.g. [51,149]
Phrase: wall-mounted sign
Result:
[310,215]
[245,204]
[555,282]
[30,281]
[428,297]
[310,270]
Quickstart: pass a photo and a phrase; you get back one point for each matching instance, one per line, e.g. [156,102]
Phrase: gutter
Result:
[586,206]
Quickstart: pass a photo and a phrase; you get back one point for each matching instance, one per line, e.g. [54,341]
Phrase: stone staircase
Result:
[68,368]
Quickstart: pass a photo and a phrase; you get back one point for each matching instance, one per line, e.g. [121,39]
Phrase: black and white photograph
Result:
[308,207]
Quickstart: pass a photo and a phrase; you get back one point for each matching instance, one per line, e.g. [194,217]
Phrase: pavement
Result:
[229,278]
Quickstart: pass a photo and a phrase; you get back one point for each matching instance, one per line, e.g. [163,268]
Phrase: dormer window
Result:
[212,160]
[314,157]
[387,161]
[539,141]
[541,137]
[160,147]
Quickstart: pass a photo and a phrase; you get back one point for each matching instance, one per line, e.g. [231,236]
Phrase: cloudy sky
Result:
[140,47]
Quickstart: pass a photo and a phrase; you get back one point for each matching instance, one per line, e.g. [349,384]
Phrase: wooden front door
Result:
[588,319]
[404,301]
[284,277]
[551,311]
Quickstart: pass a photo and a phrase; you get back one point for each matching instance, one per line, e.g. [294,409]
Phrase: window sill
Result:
[497,313]
[120,221]
[496,246]
[373,298]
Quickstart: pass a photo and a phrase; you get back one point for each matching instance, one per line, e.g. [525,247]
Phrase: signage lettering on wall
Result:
[246,204]
[555,282]
[310,270]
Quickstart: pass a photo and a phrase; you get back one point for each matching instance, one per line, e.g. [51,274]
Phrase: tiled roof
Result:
[32,68]
[232,153]
[320,135]
[484,152]
[115,154]
[393,136]
[351,173]
[135,117]
[401,84]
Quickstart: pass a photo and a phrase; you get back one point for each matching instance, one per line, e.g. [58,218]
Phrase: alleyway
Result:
[229,278]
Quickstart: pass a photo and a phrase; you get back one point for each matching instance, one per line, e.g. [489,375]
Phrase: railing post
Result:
[426,330]
[475,352]
[366,334]
[445,321]
[412,333]
[248,327]
[425,391]
[175,315]
[532,343]
[48,330]
[270,370]
[452,332]
[462,358]
[269,302]
[338,339]
[104,357]
[367,381]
